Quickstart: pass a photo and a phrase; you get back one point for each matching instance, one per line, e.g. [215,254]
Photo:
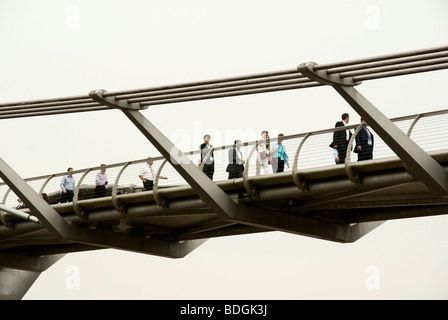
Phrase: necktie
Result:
[369,137]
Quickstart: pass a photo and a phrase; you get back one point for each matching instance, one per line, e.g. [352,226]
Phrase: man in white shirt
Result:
[147,175]
[67,186]
[101,182]
[20,204]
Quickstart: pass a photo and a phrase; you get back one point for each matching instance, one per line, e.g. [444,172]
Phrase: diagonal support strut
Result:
[208,191]
[422,165]
[61,229]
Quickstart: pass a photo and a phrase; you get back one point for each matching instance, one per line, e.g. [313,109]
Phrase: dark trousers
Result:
[100,191]
[342,150]
[67,197]
[365,156]
[278,165]
[148,185]
[236,171]
[209,170]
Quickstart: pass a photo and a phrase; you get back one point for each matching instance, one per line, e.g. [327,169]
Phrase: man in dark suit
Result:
[341,139]
[364,143]
[235,168]
[209,166]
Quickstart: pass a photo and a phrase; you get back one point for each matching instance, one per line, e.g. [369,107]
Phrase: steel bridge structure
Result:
[315,198]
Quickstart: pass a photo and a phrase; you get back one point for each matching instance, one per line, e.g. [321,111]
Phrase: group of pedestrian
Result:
[341,138]
[271,157]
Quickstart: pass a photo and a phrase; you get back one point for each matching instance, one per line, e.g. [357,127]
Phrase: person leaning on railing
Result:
[101,182]
[67,186]
[147,175]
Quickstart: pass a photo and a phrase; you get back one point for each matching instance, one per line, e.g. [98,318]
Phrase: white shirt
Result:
[240,156]
[208,146]
[336,153]
[369,136]
[347,132]
[147,172]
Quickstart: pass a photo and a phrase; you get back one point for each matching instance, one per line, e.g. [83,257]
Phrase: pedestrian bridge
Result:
[314,197]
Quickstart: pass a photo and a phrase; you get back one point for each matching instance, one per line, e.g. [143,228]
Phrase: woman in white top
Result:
[263,154]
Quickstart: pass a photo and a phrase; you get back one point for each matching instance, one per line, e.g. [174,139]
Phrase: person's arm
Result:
[62,185]
[285,155]
[338,136]
[358,142]
[200,158]
[241,158]
[141,174]
[97,179]
[336,155]
[230,155]
[275,148]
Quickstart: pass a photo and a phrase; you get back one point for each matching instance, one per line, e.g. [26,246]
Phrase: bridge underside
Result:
[329,207]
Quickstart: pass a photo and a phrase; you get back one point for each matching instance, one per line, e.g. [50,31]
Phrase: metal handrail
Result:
[354,177]
[249,143]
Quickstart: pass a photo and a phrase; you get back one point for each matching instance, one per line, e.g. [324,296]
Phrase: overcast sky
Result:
[66,48]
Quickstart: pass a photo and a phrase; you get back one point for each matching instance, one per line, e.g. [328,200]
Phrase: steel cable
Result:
[378,67]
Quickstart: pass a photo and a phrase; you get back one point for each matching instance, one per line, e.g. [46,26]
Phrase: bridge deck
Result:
[382,193]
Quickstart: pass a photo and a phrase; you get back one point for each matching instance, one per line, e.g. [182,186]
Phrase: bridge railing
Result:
[306,150]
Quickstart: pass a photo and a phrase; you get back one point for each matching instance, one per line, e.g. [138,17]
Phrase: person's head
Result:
[362,120]
[45,197]
[149,161]
[345,117]
[237,144]
[103,168]
[69,170]
[280,137]
[207,138]
[264,134]
[19,200]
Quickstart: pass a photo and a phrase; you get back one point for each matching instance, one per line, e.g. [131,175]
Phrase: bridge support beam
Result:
[208,191]
[421,165]
[18,273]
[47,216]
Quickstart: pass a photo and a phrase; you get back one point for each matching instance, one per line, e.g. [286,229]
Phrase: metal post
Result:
[19,214]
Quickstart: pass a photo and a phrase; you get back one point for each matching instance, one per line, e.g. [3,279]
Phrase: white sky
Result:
[65,48]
